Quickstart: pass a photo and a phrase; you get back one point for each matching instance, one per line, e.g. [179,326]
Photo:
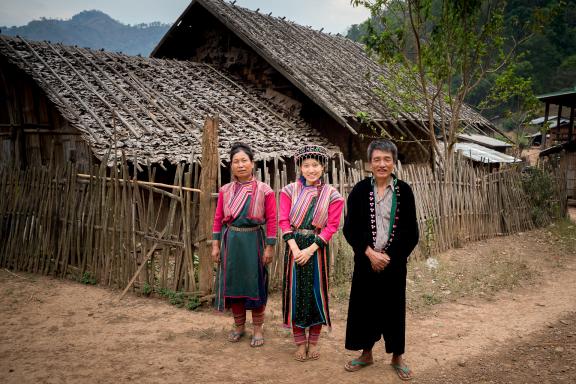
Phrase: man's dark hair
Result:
[384,146]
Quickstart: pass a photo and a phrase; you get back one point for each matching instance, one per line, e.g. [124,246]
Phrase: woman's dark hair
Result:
[241,147]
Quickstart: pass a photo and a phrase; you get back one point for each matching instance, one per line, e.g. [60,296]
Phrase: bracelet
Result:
[319,242]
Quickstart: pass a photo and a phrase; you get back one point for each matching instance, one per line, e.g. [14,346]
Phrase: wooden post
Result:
[208,185]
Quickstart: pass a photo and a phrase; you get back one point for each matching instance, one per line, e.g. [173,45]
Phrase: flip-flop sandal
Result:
[315,355]
[256,342]
[301,358]
[356,365]
[403,372]
[235,336]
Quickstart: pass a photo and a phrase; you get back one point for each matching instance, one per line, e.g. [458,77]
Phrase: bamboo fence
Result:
[472,203]
[109,227]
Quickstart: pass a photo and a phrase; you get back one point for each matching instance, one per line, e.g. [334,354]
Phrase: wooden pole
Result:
[208,184]
[133,279]
[161,185]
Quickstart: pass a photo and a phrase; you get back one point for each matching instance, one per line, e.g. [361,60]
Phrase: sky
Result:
[332,15]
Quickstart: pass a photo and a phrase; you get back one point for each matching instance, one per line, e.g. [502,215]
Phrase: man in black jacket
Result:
[382,229]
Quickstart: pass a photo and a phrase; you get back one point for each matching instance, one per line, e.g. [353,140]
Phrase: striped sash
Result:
[236,194]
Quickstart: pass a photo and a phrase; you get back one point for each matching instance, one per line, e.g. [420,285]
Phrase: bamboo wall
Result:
[59,222]
[32,131]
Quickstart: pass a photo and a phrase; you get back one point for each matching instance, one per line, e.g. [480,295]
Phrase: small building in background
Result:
[563,157]
[481,156]
[559,144]
[560,125]
[485,141]
[557,130]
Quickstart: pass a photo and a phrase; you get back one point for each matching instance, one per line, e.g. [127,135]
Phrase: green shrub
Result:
[88,279]
[540,186]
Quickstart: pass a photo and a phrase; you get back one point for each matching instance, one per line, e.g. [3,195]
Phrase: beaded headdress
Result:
[317,152]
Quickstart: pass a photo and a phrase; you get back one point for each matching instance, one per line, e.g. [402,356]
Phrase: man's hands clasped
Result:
[378,260]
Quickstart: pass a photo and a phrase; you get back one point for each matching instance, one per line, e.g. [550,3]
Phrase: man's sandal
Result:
[235,336]
[256,342]
[403,372]
[356,365]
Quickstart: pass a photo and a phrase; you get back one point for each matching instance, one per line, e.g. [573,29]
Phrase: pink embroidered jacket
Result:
[259,215]
[328,227]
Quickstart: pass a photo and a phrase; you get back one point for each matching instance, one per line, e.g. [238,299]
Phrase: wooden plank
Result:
[208,179]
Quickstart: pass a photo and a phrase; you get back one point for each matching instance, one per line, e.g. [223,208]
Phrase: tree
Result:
[441,50]
[513,94]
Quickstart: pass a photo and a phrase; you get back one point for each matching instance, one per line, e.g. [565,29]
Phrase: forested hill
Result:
[549,56]
[94,29]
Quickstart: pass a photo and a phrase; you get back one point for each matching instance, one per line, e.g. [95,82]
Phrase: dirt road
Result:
[54,331]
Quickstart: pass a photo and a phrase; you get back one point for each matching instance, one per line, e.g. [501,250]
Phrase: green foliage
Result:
[438,52]
[193,303]
[363,117]
[540,186]
[147,289]
[547,58]
[429,237]
[431,299]
[180,299]
[547,55]
[512,95]
[88,279]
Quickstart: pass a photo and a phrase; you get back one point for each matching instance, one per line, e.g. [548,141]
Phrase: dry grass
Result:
[482,269]
[454,278]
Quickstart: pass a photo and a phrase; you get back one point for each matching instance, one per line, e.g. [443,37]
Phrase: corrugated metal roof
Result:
[482,154]
[566,97]
[552,121]
[563,92]
[569,146]
[483,140]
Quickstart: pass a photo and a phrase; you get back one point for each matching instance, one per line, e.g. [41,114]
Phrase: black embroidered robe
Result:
[377,306]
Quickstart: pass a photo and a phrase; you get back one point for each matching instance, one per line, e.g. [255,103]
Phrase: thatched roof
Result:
[333,71]
[153,109]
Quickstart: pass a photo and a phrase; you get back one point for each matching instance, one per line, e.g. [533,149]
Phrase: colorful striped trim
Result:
[235,195]
[321,287]
[302,196]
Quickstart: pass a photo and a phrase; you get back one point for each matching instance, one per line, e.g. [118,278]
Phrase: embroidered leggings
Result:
[239,312]
[313,334]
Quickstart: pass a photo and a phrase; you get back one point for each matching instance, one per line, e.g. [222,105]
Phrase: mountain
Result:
[94,29]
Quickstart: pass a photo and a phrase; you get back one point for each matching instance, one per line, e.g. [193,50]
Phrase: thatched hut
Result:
[77,105]
[324,79]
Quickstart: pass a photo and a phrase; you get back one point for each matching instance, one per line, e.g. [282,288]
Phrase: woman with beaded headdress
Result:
[241,247]
[309,215]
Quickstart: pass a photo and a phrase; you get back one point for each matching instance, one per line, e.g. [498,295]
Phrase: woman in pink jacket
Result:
[310,213]
[240,245]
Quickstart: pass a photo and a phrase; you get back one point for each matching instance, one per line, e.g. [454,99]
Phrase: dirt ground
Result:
[54,331]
